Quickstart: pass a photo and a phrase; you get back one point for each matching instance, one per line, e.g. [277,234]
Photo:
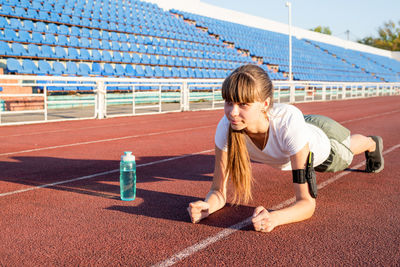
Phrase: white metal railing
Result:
[99,97]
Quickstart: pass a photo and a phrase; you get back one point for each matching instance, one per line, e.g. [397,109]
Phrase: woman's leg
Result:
[360,143]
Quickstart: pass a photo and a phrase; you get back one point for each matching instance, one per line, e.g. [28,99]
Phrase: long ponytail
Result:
[238,166]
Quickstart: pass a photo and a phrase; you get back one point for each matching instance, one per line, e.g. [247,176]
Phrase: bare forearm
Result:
[301,210]
[216,200]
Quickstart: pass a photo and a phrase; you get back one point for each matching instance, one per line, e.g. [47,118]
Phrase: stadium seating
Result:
[139,39]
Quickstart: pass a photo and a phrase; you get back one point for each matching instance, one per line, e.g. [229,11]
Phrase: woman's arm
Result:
[216,197]
[301,210]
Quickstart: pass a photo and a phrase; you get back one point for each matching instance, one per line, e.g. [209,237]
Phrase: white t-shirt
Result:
[288,134]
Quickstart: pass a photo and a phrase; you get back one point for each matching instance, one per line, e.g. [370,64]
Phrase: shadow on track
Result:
[36,171]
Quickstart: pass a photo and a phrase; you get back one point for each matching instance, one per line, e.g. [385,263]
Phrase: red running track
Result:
[59,196]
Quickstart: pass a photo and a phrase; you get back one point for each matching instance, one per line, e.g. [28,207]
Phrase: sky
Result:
[361,18]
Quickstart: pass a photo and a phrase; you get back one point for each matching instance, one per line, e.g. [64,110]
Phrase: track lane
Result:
[159,212]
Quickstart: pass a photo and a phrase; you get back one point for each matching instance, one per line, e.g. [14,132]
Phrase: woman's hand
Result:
[198,210]
[262,220]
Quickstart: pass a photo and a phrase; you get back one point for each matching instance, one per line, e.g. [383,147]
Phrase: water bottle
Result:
[127,177]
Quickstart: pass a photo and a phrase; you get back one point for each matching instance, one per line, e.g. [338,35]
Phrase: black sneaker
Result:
[374,159]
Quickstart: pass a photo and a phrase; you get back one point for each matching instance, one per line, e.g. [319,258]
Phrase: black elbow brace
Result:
[307,175]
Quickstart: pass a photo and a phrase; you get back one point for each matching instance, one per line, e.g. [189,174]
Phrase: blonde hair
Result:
[246,84]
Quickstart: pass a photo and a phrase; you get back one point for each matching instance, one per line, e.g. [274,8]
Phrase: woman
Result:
[279,135]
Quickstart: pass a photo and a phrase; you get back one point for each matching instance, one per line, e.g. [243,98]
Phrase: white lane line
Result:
[371,116]
[96,127]
[101,173]
[234,228]
[105,140]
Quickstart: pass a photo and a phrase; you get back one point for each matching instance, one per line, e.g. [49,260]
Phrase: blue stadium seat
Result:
[43,15]
[75,20]
[18,49]
[95,23]
[175,72]
[153,60]
[123,37]
[170,61]
[40,27]
[86,22]
[47,51]
[55,17]
[130,71]
[50,39]
[158,72]
[5,48]
[150,49]
[65,18]
[145,59]
[108,70]
[44,68]
[28,25]
[106,56]
[142,49]
[133,47]
[119,70]
[96,56]
[85,32]
[63,29]
[115,46]
[10,35]
[73,41]
[32,13]
[73,53]
[33,50]
[71,68]
[105,35]
[52,28]
[183,73]
[139,71]
[62,40]
[37,37]
[135,58]
[162,60]
[167,72]
[198,73]
[124,47]
[114,36]
[95,34]
[6,10]
[105,45]
[58,68]
[75,31]
[84,54]
[84,42]
[96,68]
[95,43]
[190,73]
[15,24]
[116,57]
[29,67]
[83,69]
[148,71]
[126,57]
[60,52]
[13,66]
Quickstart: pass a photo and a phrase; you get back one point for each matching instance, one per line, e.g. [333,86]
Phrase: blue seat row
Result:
[42,67]
[58,52]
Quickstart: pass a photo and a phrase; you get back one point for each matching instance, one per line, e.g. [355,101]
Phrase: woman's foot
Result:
[374,159]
